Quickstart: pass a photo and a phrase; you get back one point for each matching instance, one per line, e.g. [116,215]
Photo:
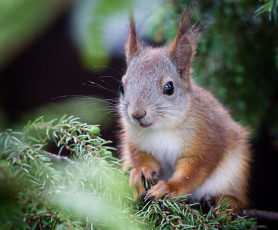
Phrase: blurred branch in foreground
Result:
[88,189]
[270,7]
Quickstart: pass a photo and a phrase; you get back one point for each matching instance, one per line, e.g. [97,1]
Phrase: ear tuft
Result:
[183,49]
[132,46]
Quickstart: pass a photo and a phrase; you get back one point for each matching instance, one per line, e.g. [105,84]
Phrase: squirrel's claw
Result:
[158,191]
[135,180]
[148,197]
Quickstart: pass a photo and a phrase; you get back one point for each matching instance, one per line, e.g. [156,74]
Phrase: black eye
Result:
[121,87]
[169,88]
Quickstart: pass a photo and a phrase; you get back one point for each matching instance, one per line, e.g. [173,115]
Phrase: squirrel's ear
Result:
[183,49]
[132,46]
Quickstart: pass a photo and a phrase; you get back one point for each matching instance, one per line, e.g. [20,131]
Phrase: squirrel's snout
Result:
[138,113]
[138,109]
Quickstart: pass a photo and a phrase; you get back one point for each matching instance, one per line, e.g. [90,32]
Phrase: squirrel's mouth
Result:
[145,125]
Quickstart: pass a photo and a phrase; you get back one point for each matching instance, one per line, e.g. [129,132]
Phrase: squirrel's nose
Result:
[138,113]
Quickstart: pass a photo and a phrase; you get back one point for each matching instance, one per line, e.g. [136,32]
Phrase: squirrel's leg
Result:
[189,174]
[144,166]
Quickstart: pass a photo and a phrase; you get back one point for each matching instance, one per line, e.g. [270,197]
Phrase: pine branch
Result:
[89,190]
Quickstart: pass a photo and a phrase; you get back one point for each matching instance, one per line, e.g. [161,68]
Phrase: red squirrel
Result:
[175,130]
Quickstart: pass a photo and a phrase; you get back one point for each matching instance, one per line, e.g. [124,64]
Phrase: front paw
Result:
[207,202]
[135,180]
[159,190]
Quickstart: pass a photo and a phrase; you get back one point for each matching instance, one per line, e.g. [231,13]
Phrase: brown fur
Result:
[210,135]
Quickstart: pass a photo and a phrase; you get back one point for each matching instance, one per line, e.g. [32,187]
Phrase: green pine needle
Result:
[85,189]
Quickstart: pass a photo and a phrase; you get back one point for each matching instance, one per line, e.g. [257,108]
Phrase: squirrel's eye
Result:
[169,88]
[121,87]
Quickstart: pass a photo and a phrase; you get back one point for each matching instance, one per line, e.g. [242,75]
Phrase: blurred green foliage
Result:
[87,189]
[91,22]
[22,20]
[89,109]
[237,56]
[40,190]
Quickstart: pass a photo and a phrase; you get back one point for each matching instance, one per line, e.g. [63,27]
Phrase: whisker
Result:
[110,77]
[109,101]
[169,113]
[101,87]
[71,96]
[109,67]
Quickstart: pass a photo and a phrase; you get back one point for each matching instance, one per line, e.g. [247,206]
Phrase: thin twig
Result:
[79,141]
[259,214]
[89,149]
[40,224]
[65,144]
[165,213]
[57,157]
[32,218]
[68,222]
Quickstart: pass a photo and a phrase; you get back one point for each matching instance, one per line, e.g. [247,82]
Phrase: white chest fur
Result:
[164,145]
[225,177]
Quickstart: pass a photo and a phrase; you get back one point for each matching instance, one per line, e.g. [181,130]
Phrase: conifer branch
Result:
[89,190]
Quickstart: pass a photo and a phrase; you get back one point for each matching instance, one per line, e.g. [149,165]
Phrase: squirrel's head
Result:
[155,91]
